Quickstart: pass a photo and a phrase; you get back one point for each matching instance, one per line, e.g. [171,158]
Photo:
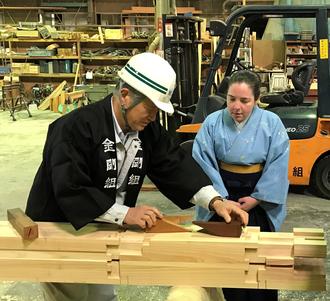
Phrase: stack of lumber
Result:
[102,253]
[52,100]
[62,101]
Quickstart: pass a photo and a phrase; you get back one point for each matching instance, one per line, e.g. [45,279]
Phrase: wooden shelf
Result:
[106,76]
[116,41]
[40,40]
[19,54]
[301,42]
[269,71]
[27,57]
[53,75]
[105,57]
[298,55]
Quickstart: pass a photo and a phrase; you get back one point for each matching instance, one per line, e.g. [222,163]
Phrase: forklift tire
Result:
[321,177]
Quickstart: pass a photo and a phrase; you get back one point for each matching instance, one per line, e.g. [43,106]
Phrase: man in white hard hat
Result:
[95,159]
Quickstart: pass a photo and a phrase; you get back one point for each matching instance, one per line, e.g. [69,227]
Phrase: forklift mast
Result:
[251,14]
[182,35]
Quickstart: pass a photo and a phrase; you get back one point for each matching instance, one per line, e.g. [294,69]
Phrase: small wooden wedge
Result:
[166,226]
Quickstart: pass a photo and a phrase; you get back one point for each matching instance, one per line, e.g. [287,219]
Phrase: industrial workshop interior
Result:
[61,58]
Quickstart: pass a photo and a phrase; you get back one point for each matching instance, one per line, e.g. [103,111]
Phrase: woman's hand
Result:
[247,203]
[228,210]
[143,216]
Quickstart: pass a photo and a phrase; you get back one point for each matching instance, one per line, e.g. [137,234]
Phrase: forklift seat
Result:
[187,146]
[223,87]
[302,78]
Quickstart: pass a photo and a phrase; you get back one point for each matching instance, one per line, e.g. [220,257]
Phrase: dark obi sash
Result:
[240,185]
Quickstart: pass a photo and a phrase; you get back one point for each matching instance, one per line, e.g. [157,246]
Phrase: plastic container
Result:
[291,36]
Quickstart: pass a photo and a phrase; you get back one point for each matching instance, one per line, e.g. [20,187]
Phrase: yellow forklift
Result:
[307,123]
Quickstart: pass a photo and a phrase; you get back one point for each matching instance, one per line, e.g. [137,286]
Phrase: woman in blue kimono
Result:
[244,150]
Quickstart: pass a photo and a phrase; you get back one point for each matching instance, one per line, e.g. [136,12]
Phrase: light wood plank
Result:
[103,253]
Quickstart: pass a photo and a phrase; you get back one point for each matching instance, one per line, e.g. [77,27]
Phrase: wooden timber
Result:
[25,226]
[47,101]
[103,253]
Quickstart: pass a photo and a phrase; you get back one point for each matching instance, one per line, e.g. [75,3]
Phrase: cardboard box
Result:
[64,52]
[15,78]
[7,79]
[34,69]
[113,34]
[267,52]
[19,68]
[33,34]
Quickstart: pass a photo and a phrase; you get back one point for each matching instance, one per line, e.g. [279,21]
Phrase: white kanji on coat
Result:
[138,143]
[137,162]
[110,183]
[111,164]
[133,180]
[108,145]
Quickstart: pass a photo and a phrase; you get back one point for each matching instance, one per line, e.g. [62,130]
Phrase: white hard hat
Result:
[152,76]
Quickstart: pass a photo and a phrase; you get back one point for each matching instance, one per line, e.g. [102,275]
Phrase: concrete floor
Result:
[21,145]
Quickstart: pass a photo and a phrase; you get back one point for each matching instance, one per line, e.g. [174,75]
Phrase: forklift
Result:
[307,123]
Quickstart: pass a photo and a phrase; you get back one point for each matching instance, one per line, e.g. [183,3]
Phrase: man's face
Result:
[240,101]
[141,115]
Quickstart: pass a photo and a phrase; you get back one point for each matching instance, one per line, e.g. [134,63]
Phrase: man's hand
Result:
[228,210]
[143,216]
[247,203]
[237,204]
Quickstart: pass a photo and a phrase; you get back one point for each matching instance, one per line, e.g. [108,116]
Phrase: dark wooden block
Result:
[166,226]
[233,229]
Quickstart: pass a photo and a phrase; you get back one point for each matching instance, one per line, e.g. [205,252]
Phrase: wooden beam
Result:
[22,223]
[108,254]
[100,34]
[46,102]
[76,77]
[53,8]
[151,10]
[149,187]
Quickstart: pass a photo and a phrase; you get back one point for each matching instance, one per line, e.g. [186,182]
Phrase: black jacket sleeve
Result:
[173,170]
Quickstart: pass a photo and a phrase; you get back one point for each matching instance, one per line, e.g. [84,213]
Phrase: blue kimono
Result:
[263,139]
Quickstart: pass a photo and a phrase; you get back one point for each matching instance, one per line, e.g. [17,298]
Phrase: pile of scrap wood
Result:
[62,101]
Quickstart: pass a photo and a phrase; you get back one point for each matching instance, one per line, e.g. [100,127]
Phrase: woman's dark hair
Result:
[248,77]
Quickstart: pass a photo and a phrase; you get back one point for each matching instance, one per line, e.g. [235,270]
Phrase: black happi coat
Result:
[71,184]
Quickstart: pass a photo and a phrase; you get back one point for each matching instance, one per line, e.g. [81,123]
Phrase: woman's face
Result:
[240,101]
